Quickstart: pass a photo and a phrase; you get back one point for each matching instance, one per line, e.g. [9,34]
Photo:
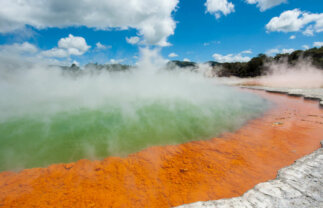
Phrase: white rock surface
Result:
[307,93]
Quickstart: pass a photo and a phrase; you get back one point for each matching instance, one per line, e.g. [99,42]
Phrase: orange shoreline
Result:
[177,174]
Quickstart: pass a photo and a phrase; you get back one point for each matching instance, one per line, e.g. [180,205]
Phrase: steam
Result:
[301,75]
[47,116]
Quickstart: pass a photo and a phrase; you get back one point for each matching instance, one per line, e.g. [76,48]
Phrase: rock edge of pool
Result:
[298,185]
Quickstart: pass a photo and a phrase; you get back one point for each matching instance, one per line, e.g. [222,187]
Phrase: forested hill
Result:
[257,65]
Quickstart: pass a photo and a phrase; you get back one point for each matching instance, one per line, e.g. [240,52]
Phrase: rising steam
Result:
[48,116]
[301,75]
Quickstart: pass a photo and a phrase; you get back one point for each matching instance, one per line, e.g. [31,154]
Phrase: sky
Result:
[114,31]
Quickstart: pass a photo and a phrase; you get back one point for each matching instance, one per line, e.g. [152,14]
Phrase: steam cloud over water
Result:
[48,116]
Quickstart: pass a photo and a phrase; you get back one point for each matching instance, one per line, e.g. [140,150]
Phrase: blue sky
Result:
[198,34]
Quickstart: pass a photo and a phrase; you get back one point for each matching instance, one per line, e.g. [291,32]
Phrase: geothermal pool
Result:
[172,175]
[50,117]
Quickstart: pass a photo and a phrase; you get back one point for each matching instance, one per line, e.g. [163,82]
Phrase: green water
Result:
[38,141]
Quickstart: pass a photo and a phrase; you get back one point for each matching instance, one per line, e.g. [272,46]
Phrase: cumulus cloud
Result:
[74,45]
[218,7]
[292,37]
[275,51]
[309,31]
[152,18]
[116,61]
[100,46]
[318,44]
[266,4]
[18,54]
[247,51]
[172,55]
[186,59]
[19,48]
[288,50]
[272,51]
[133,40]
[231,58]
[295,20]
[55,52]
[71,45]
[29,52]
[305,47]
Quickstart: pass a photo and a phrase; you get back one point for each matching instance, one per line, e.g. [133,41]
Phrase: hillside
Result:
[258,65]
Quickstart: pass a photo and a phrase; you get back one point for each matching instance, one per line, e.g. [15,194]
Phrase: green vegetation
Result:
[181,64]
[257,65]
[95,66]
[315,55]
[107,67]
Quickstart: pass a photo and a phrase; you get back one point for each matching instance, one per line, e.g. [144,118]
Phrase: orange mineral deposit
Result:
[173,175]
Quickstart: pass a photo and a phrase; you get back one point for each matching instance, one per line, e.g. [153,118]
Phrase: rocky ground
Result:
[299,185]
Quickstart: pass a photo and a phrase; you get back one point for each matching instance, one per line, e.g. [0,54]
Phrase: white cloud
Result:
[23,53]
[318,44]
[266,4]
[55,52]
[18,48]
[211,42]
[247,51]
[289,50]
[172,55]
[292,37]
[305,47]
[275,51]
[295,20]
[187,60]
[133,40]
[28,52]
[71,45]
[230,58]
[309,31]
[272,51]
[116,61]
[100,46]
[152,18]
[74,45]
[218,7]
